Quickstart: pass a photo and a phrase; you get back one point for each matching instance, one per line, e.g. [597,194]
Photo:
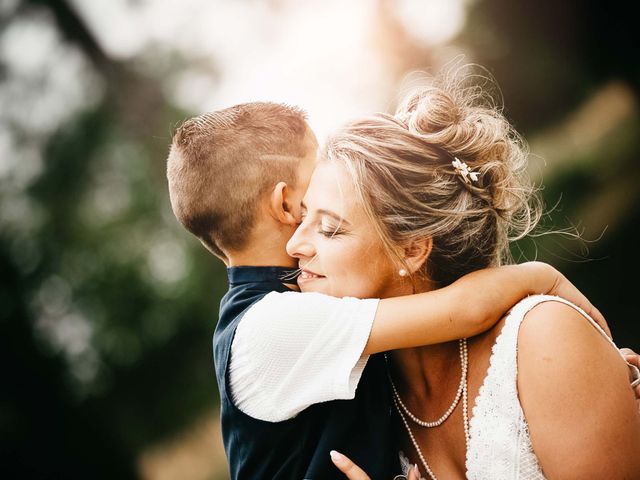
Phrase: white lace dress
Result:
[500,446]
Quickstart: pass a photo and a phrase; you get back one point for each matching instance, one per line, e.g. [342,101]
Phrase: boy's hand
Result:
[561,287]
[353,472]
[633,359]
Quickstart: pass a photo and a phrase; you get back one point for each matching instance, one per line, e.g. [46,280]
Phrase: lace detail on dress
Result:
[500,446]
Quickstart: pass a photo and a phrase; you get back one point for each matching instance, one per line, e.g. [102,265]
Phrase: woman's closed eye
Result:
[330,230]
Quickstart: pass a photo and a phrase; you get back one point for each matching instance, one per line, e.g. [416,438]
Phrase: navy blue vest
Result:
[298,448]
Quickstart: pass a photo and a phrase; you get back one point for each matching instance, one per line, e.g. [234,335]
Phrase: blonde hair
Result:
[221,164]
[401,169]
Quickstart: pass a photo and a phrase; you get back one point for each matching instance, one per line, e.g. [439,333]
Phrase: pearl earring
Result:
[402,272]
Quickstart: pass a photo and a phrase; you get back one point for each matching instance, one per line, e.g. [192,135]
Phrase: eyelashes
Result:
[322,226]
[331,233]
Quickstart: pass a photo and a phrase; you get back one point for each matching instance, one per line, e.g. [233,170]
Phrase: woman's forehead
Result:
[331,188]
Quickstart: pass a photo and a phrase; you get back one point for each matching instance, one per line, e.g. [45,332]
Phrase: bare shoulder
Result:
[553,326]
[556,343]
[574,391]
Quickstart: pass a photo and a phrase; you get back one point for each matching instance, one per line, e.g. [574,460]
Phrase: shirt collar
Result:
[238,275]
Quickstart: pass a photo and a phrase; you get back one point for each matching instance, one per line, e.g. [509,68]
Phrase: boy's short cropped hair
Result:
[222,163]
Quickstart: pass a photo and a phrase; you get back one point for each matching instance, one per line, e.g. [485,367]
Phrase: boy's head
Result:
[223,168]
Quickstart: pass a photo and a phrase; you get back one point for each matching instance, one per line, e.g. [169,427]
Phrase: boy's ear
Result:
[280,205]
[416,253]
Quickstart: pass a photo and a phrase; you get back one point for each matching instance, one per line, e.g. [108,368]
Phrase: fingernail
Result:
[415,468]
[335,456]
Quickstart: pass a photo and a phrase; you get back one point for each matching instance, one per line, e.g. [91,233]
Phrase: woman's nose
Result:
[299,244]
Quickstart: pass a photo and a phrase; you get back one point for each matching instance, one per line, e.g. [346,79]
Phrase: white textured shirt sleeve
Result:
[292,350]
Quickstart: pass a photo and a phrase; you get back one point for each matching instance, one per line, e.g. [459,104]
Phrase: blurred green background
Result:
[107,307]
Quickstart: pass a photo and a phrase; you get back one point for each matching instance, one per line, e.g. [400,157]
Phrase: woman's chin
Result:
[314,289]
[314,284]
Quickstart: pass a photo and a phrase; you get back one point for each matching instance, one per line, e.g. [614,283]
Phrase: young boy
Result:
[236,180]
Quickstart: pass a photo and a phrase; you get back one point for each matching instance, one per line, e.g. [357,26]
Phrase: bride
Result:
[440,187]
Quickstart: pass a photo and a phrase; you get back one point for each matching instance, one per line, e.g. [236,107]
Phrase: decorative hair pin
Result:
[464,171]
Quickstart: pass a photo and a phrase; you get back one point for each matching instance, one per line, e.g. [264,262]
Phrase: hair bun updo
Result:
[461,120]
[402,169]
[429,110]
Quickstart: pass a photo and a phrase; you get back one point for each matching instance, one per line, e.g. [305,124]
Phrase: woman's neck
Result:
[423,372]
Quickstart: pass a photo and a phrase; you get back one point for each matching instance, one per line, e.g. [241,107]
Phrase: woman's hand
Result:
[633,359]
[353,472]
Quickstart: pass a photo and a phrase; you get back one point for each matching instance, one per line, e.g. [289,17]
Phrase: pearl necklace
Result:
[464,363]
[462,392]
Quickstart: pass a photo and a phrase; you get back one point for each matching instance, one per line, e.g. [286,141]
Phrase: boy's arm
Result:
[467,307]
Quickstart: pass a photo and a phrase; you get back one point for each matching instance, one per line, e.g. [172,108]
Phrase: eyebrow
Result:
[329,213]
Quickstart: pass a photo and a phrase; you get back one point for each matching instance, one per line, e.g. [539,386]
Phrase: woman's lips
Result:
[306,275]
